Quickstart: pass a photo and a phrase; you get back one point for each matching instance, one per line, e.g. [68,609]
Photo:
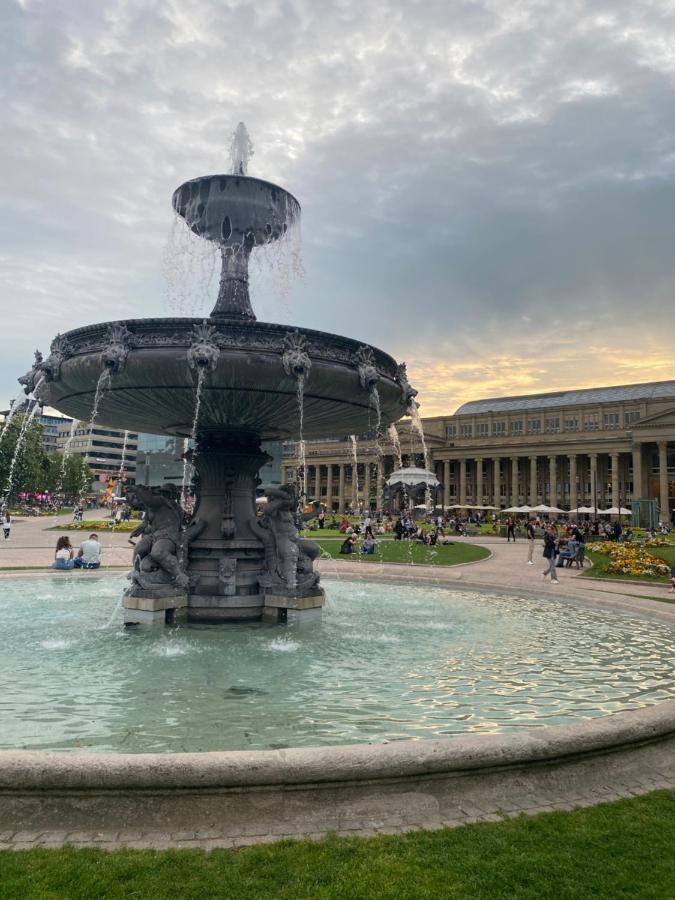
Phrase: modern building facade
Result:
[596,447]
[109,452]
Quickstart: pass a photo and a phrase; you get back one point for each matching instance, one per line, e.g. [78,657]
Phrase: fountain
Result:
[228,382]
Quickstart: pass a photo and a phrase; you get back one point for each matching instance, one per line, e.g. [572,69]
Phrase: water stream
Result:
[201,377]
[14,408]
[302,455]
[396,444]
[23,432]
[66,454]
[414,413]
[355,474]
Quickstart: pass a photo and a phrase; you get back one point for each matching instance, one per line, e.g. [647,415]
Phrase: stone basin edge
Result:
[297,768]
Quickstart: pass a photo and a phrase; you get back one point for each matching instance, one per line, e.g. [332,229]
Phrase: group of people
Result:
[88,555]
[559,550]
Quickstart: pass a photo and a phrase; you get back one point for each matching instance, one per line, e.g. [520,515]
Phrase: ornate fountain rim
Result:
[264,337]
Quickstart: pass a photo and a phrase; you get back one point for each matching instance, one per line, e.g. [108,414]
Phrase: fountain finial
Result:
[241,150]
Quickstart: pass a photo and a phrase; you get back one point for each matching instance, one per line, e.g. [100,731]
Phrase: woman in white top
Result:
[63,557]
[6,525]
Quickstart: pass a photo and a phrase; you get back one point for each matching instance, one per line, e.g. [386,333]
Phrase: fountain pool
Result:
[380,667]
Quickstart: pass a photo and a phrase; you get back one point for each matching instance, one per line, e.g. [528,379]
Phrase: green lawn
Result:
[611,852]
[600,563]
[391,551]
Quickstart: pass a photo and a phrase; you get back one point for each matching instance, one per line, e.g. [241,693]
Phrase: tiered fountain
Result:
[225,564]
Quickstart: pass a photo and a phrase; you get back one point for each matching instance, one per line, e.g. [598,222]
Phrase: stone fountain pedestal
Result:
[234,566]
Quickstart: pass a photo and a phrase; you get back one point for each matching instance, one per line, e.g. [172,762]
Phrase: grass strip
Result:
[608,852]
[410,552]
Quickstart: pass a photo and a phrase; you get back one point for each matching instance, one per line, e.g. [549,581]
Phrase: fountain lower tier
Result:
[237,566]
[231,383]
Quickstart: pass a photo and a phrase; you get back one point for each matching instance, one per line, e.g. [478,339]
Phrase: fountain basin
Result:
[388,663]
[248,389]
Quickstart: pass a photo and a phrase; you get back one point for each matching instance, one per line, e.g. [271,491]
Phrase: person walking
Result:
[550,553]
[7,525]
[321,517]
[510,530]
[530,534]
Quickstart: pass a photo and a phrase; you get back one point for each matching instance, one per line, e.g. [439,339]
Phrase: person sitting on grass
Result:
[348,544]
[63,556]
[368,545]
[89,554]
[672,579]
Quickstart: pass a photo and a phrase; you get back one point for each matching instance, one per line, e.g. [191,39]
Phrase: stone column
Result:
[329,487]
[496,480]
[446,483]
[462,481]
[380,482]
[479,481]
[366,486]
[593,458]
[283,474]
[553,478]
[514,481]
[341,489]
[317,482]
[574,499]
[637,473]
[615,478]
[533,481]
[663,481]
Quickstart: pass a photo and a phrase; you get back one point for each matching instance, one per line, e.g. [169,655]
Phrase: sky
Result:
[487,187]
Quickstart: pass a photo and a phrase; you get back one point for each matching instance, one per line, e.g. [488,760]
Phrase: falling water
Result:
[186,470]
[393,437]
[14,408]
[120,474]
[414,413]
[241,150]
[23,432]
[66,454]
[302,456]
[102,385]
[201,376]
[355,475]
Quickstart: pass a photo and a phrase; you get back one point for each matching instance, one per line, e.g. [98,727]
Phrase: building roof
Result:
[652,390]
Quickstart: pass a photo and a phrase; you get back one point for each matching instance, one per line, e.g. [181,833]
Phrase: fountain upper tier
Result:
[252,370]
[238,213]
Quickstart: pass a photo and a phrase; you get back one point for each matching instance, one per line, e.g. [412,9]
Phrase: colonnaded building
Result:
[596,447]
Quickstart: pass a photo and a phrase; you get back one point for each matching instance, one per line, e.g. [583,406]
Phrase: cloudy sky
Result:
[487,187]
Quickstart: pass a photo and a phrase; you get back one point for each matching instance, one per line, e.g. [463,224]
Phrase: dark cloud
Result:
[477,179]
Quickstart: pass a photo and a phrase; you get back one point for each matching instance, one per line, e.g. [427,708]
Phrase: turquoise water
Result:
[385,663]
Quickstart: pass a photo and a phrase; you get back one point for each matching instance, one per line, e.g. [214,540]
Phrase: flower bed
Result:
[630,559]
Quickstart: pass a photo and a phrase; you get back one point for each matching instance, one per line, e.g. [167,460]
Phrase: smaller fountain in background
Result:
[414,413]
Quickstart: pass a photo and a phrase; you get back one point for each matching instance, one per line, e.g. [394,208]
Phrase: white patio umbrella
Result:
[615,511]
[512,509]
[542,508]
[586,510]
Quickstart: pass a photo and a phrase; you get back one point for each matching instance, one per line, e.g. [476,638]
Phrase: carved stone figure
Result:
[204,351]
[368,374]
[114,356]
[60,351]
[295,358]
[408,392]
[33,375]
[289,559]
[159,557]
[227,572]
